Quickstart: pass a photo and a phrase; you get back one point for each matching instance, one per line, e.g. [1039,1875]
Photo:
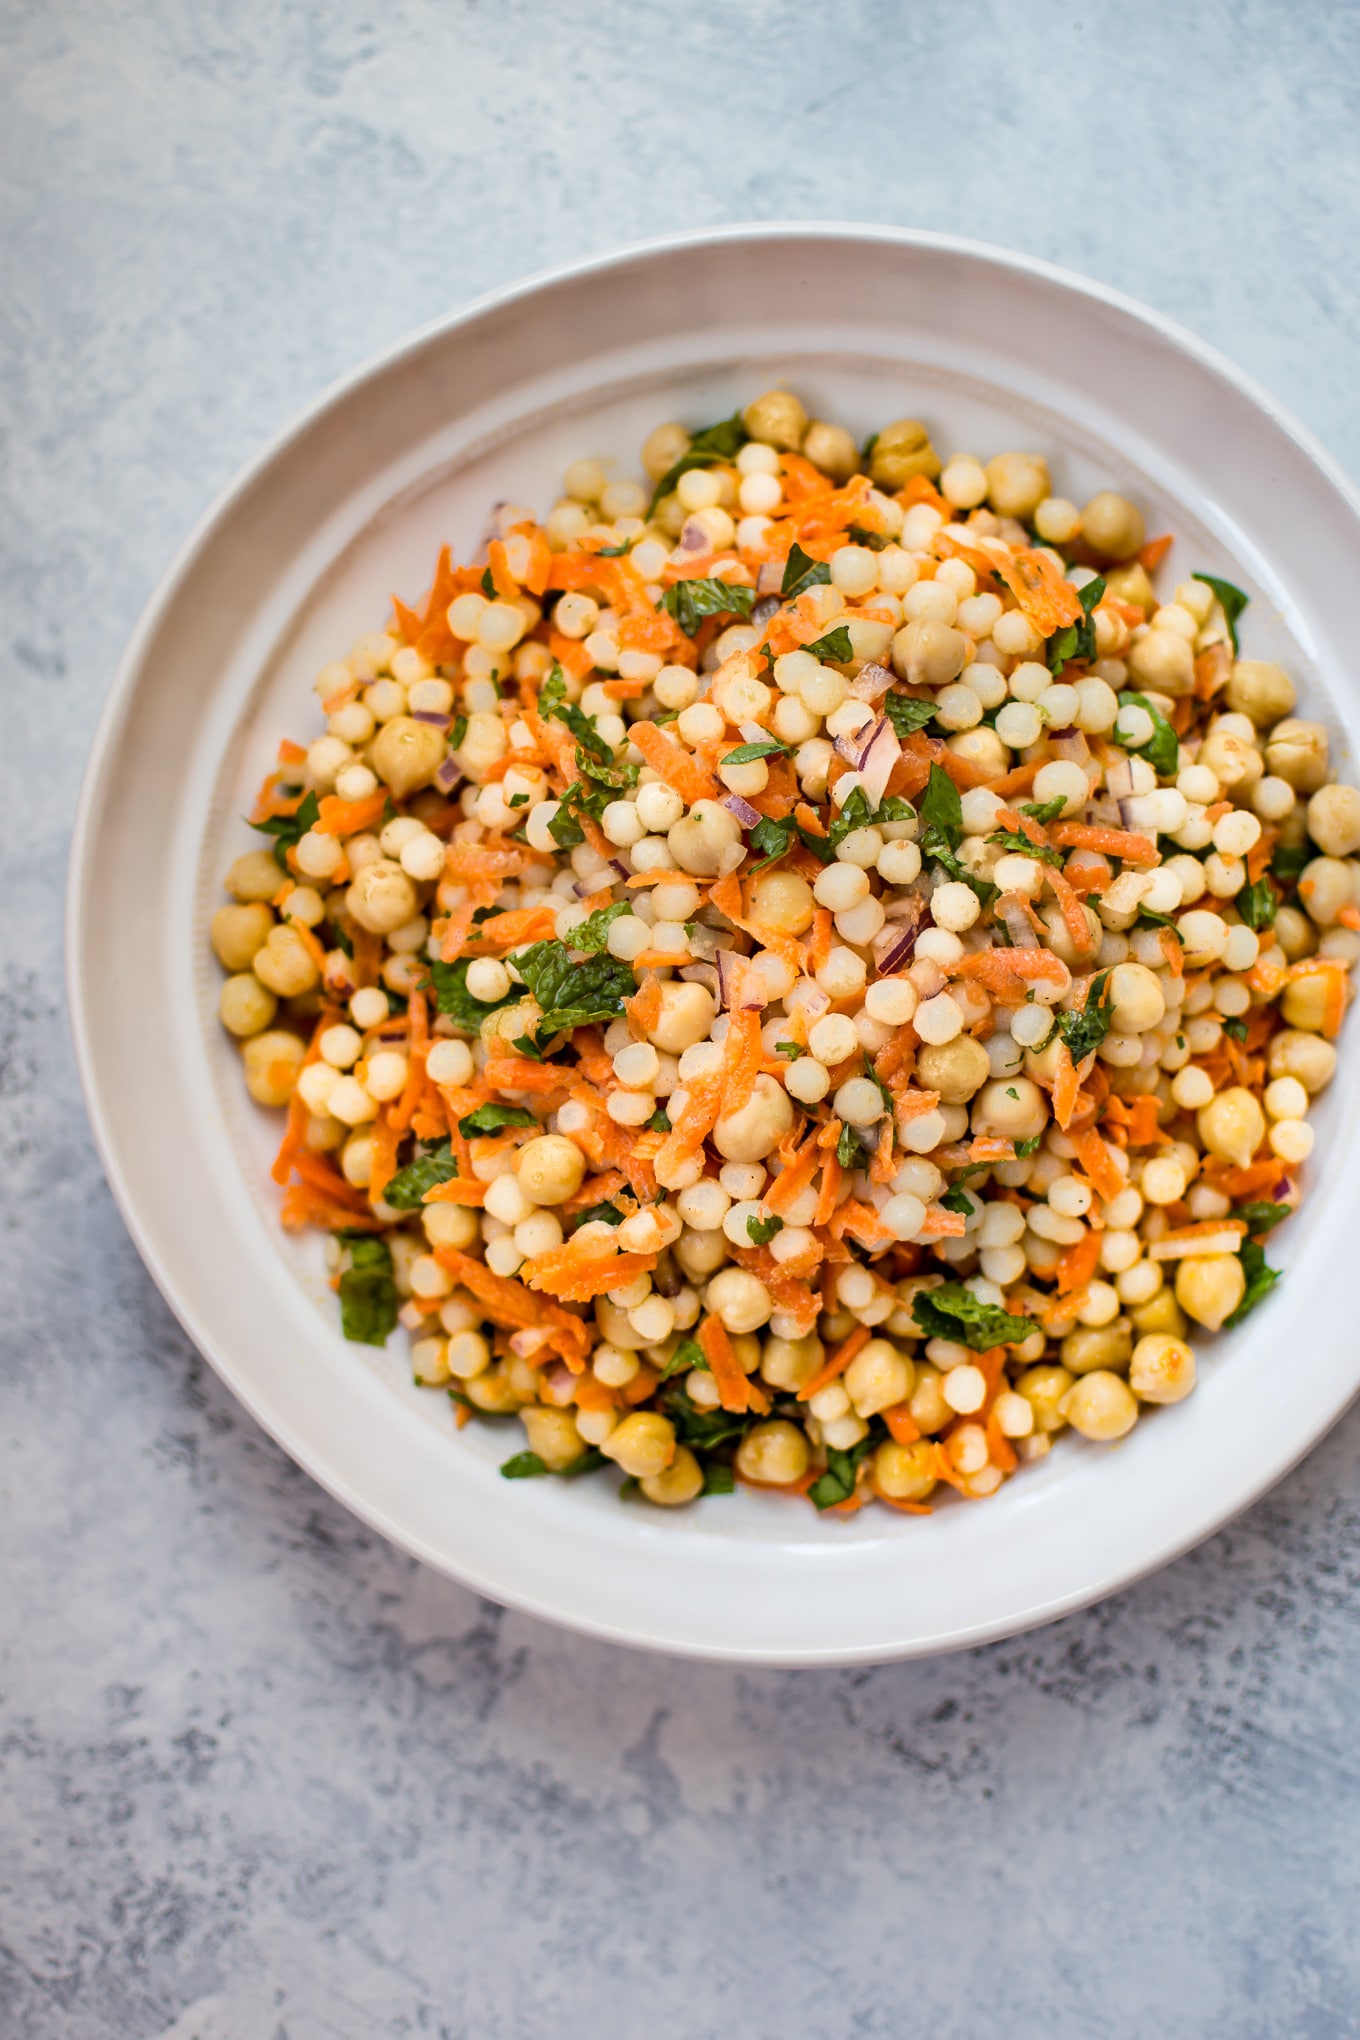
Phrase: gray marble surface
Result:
[263,1778]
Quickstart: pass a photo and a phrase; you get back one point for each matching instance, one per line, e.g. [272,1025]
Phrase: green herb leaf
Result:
[711,447]
[790,1050]
[907,712]
[1025,1148]
[1290,861]
[956,1198]
[1086,1030]
[877,541]
[1148,919]
[616,552]
[488,585]
[609,1214]
[458,733]
[761,1231]
[719,1478]
[773,839]
[1012,839]
[857,813]
[573,994]
[702,1430]
[659,1121]
[689,602]
[406,1190]
[1258,904]
[368,1293]
[457,1002]
[1042,811]
[1261,1279]
[856,1147]
[689,1353]
[1163,749]
[837,1484]
[953,1312]
[288,830]
[942,808]
[553,704]
[1233,599]
[491,1118]
[802,572]
[835,645]
[1237,1027]
[593,933]
[523,1466]
[1077,640]
[1262,1218]
[747,754]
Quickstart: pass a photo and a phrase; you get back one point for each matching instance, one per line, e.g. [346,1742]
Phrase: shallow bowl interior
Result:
[304,553]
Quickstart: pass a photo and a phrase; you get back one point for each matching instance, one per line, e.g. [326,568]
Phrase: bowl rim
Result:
[83,848]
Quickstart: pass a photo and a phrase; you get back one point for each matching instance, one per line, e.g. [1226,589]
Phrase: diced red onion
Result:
[449,775]
[620,869]
[764,609]
[747,815]
[584,887]
[877,758]
[1070,744]
[1018,925]
[430,715]
[1139,812]
[1119,779]
[848,748]
[730,969]
[871,682]
[770,578]
[693,537]
[702,974]
[895,945]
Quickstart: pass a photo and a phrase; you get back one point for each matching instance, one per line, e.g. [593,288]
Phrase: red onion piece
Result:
[877,758]
[1017,922]
[1119,779]
[730,969]
[849,748]
[430,715]
[620,870]
[895,945]
[584,887]
[1139,813]
[765,608]
[693,537]
[747,815]
[449,775]
[1071,744]
[871,682]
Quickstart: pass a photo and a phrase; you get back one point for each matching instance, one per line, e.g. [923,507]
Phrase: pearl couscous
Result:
[810,971]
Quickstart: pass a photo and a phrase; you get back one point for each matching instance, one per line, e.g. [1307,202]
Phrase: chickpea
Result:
[1044,1389]
[928,1409]
[382,897]
[1101,1406]
[406,754]
[643,1444]
[1260,689]
[687,1014]
[1164,662]
[776,419]
[1131,584]
[680,1482]
[662,449]
[238,932]
[1209,1287]
[1162,1369]
[831,448]
[784,901]
[1305,1003]
[1333,822]
[1161,1313]
[1304,1056]
[1017,484]
[757,1128]
[929,653]
[492,1392]
[957,1069]
[878,1377]
[1325,887]
[1232,1125]
[904,1473]
[1012,1108]
[484,743]
[550,1169]
[1112,527]
[699,841]
[244,1006]
[775,1454]
[254,876]
[1136,999]
[741,1300]
[285,964]
[553,1436]
[1297,753]
[1092,1346]
[272,1062]
[901,450]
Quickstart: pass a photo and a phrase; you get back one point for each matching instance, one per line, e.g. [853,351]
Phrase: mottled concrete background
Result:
[263,1778]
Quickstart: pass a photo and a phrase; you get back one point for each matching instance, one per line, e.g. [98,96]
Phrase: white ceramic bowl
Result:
[302,554]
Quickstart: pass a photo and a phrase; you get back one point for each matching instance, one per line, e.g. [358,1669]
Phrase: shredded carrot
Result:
[674,764]
[1129,844]
[1155,551]
[795,1177]
[1095,1159]
[1047,599]
[338,817]
[831,1183]
[1077,1264]
[1065,1087]
[734,1390]
[902,1425]
[833,1368]
[1073,912]
[576,1274]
